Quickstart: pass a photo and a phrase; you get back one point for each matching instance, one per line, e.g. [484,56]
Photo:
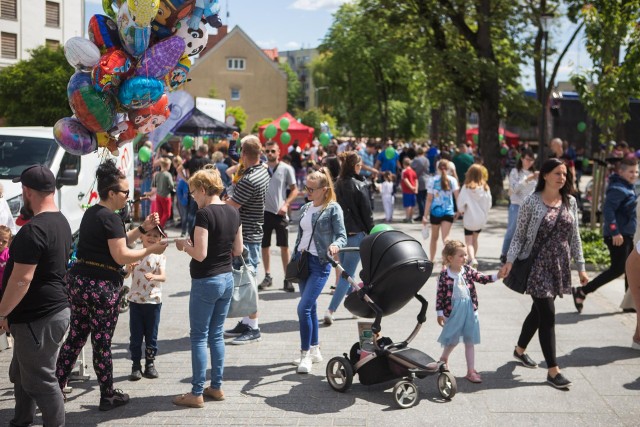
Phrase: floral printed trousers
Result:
[94,309]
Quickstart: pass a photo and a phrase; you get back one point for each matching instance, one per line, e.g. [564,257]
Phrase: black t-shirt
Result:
[44,241]
[196,163]
[222,222]
[99,224]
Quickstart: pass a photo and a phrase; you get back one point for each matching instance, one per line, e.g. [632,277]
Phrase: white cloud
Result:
[266,44]
[312,5]
[292,46]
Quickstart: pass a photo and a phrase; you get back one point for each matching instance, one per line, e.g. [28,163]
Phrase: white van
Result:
[21,147]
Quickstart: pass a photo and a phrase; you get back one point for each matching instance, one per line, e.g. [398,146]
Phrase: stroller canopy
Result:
[394,268]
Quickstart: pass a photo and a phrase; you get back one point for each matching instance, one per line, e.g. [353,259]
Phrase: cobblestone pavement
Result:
[262,387]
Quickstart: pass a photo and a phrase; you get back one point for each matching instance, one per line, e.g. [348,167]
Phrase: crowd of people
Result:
[231,197]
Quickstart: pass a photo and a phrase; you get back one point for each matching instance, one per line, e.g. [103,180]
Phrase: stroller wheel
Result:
[339,374]
[405,393]
[447,385]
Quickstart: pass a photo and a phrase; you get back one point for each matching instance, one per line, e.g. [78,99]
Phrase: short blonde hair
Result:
[251,147]
[165,163]
[217,157]
[450,248]
[209,179]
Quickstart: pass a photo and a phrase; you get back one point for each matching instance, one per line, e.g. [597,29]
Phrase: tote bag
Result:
[244,300]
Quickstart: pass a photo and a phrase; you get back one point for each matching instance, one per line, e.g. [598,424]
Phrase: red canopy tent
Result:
[299,132]
[513,139]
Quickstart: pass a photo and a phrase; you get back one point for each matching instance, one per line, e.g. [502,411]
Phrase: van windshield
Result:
[18,152]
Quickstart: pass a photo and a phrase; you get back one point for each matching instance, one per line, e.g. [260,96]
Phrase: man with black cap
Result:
[35,304]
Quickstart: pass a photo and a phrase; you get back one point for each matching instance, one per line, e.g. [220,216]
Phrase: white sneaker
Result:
[328,318]
[305,363]
[316,357]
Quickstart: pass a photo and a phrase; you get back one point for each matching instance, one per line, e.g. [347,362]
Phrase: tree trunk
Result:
[461,124]
[436,123]
[488,137]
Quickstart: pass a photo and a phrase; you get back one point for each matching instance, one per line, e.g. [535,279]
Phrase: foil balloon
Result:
[195,40]
[103,32]
[123,132]
[134,38]
[112,69]
[148,119]
[107,141]
[207,9]
[143,11]
[107,6]
[172,11]
[161,58]
[140,92]
[178,76]
[81,53]
[96,110]
[73,137]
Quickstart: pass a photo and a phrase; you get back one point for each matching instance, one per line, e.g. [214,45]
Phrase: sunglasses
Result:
[311,190]
[125,192]
[270,151]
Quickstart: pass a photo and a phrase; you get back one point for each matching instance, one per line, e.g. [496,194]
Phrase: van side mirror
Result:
[68,177]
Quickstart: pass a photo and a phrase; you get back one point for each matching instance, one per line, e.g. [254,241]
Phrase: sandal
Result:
[577,293]
[474,377]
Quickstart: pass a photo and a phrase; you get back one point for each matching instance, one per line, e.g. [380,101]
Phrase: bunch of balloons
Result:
[135,54]
[271,131]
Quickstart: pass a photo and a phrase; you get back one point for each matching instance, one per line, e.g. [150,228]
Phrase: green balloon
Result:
[284,124]
[500,137]
[504,151]
[187,142]
[270,131]
[285,138]
[582,126]
[144,154]
[390,153]
[380,227]
[324,139]
[475,138]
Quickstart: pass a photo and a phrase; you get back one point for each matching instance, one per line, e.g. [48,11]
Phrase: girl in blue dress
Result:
[457,304]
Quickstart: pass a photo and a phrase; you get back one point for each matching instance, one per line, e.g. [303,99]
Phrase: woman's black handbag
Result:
[298,268]
[521,268]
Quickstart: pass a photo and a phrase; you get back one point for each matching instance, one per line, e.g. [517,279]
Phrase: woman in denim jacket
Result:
[329,235]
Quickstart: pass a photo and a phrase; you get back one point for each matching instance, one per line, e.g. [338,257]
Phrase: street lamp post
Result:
[319,89]
[545,19]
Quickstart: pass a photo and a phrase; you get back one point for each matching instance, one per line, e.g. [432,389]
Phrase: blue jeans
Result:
[208,307]
[254,258]
[145,204]
[310,290]
[143,323]
[511,227]
[349,261]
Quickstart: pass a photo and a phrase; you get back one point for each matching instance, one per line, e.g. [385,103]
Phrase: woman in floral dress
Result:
[548,225]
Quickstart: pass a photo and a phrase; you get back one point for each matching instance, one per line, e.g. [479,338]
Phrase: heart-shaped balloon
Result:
[113,68]
[140,92]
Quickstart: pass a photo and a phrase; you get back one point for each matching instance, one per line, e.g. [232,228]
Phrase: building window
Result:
[52,44]
[52,14]
[235,94]
[8,45]
[8,9]
[235,64]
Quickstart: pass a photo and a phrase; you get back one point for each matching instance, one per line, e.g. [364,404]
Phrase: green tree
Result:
[256,128]
[611,27]
[240,115]
[314,117]
[294,87]
[34,92]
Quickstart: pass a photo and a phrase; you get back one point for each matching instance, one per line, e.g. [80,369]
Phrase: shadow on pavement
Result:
[596,356]
[633,385]
[279,327]
[575,317]
[279,295]
[180,294]
[504,378]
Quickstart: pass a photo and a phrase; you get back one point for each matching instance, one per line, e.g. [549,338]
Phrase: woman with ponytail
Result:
[440,193]
[321,230]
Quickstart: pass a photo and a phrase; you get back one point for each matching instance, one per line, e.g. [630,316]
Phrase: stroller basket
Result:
[394,268]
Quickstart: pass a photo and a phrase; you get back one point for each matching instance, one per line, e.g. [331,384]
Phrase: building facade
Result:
[27,24]
[239,72]
[299,60]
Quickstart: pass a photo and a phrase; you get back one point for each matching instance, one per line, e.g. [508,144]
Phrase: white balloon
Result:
[81,53]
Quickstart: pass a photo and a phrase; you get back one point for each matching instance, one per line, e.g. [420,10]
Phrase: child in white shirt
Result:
[388,199]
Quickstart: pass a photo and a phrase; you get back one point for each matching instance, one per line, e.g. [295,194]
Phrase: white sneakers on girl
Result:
[316,357]
[305,365]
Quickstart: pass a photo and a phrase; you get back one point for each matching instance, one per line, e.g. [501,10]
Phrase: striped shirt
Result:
[250,193]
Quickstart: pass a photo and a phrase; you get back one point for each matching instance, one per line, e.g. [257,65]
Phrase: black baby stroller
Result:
[394,269]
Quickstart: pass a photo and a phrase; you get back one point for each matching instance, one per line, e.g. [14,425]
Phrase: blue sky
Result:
[294,24]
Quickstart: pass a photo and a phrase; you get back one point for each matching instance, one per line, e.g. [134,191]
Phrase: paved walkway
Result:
[262,387]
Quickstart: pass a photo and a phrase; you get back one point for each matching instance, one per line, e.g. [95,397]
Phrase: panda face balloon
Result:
[196,40]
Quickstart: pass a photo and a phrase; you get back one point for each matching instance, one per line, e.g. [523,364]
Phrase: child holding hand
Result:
[145,302]
[457,305]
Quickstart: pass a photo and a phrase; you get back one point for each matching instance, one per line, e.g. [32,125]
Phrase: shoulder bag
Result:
[244,300]
[298,268]
[521,268]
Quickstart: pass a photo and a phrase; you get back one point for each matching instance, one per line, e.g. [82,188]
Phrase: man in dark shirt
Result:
[35,303]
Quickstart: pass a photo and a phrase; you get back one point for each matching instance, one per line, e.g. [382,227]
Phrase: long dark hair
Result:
[349,160]
[108,176]
[528,153]
[545,169]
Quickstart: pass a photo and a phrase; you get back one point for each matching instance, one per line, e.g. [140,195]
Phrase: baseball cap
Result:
[37,177]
